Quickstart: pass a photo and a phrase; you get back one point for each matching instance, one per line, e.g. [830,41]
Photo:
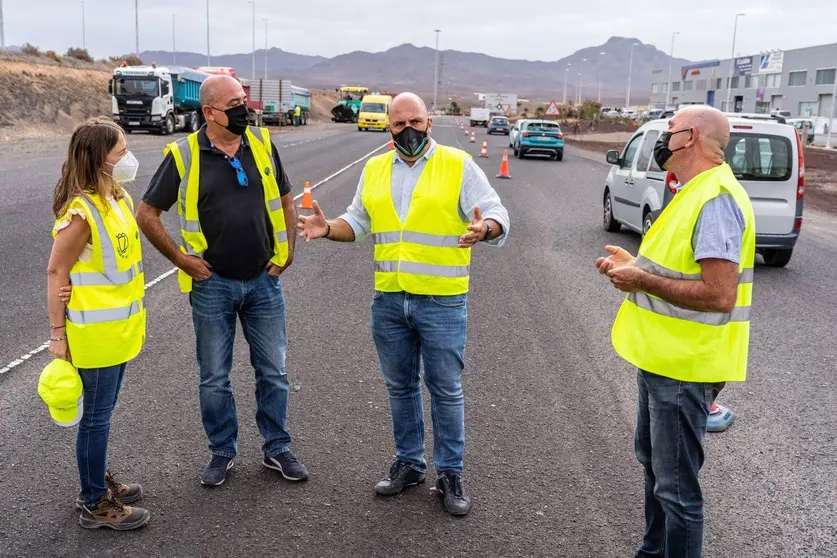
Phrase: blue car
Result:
[540,137]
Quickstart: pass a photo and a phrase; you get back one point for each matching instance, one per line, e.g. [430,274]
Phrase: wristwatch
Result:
[487,232]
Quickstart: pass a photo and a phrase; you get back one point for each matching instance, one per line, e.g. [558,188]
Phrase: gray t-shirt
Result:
[719,230]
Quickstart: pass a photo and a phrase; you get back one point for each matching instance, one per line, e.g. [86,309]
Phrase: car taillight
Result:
[671,182]
[525,134]
[798,225]
[800,183]
[560,136]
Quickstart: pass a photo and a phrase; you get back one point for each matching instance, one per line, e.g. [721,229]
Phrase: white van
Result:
[764,155]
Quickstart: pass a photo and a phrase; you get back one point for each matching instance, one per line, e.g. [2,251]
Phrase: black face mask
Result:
[661,151]
[410,141]
[236,119]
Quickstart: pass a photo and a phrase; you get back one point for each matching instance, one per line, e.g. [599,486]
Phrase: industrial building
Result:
[800,81]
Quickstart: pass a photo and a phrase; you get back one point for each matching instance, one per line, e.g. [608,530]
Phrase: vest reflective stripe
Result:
[666,339]
[186,154]
[420,255]
[82,317]
[665,308]
[93,279]
[745,276]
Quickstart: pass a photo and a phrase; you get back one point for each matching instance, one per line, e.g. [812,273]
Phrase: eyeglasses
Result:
[239,171]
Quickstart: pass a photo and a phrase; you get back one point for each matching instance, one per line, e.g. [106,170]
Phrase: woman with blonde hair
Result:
[100,327]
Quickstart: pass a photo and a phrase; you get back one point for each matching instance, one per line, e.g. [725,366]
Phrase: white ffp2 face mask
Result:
[126,169]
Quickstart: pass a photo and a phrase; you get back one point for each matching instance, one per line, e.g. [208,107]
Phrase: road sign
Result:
[505,103]
[552,109]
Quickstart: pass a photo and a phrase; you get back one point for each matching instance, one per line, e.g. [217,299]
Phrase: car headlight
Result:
[156,118]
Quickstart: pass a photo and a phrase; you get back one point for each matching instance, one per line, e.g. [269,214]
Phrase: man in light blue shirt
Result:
[412,329]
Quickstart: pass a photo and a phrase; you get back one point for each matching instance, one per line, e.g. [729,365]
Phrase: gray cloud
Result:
[530,30]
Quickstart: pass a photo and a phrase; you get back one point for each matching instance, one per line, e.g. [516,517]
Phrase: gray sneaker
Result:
[400,476]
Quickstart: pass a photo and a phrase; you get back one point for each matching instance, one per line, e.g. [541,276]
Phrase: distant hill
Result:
[407,67]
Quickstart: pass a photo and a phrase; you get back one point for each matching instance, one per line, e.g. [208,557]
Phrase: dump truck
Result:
[163,100]
[277,99]
[347,109]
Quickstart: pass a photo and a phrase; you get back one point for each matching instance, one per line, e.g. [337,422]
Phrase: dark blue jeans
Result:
[408,330]
[670,426]
[260,306]
[101,389]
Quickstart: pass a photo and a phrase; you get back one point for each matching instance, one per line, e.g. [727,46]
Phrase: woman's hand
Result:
[64,294]
[60,349]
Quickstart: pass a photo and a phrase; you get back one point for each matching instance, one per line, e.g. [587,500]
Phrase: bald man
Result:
[425,205]
[685,323]
[234,201]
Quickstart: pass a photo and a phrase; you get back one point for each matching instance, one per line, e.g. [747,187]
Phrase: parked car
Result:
[540,137]
[764,155]
[515,131]
[654,114]
[499,125]
[798,123]
[612,114]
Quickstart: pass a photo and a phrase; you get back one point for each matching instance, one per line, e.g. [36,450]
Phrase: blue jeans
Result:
[101,389]
[408,330]
[260,306]
[671,423]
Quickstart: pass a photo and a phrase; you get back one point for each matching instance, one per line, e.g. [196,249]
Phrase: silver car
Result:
[515,131]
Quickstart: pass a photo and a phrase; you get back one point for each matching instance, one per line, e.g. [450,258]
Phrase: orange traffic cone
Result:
[504,166]
[307,199]
[484,152]
[473,137]
[391,144]
[466,132]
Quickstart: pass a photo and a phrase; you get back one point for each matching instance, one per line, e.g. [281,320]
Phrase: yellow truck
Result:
[374,113]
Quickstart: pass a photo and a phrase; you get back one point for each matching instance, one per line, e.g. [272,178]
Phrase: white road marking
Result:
[18,361]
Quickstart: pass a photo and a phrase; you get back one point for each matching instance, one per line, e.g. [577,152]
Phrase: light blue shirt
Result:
[475,192]
[719,231]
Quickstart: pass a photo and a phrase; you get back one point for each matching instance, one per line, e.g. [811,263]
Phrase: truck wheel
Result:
[193,122]
[777,258]
[169,127]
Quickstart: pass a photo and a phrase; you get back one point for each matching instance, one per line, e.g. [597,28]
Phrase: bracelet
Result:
[328,229]
[58,339]
[54,327]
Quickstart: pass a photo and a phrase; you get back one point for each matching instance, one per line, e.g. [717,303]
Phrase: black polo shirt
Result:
[233,218]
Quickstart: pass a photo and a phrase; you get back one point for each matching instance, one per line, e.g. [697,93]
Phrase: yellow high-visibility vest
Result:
[186,153]
[105,317]
[420,256]
[666,339]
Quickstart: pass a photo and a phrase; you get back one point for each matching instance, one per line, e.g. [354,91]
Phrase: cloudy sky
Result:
[536,30]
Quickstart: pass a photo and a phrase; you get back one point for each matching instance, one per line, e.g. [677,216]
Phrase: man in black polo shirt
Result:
[233,248]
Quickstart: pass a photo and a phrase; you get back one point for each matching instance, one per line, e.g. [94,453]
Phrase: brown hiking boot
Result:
[125,493]
[113,514]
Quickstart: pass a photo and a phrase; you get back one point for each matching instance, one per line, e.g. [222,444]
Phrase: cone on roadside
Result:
[307,198]
[504,166]
[473,137]
[484,151]
[466,131]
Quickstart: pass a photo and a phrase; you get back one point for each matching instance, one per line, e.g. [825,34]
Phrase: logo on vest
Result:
[267,171]
[122,244]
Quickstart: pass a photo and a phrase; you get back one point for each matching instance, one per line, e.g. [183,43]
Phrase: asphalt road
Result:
[550,408]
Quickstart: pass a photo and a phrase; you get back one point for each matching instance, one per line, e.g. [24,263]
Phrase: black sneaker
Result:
[287,464]
[449,485]
[215,472]
[400,476]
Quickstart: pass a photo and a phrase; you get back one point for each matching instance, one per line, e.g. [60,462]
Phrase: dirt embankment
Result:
[42,98]
[48,100]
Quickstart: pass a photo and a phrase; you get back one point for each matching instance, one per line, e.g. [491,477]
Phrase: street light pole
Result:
[83,31]
[2,31]
[566,77]
[265,47]
[578,91]
[581,80]
[173,41]
[630,70]
[436,73]
[732,60]
[136,23]
[254,39]
[208,59]
[833,111]
[670,62]
[598,76]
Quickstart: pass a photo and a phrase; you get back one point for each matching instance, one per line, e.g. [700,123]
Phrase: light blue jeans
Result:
[260,306]
[408,330]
